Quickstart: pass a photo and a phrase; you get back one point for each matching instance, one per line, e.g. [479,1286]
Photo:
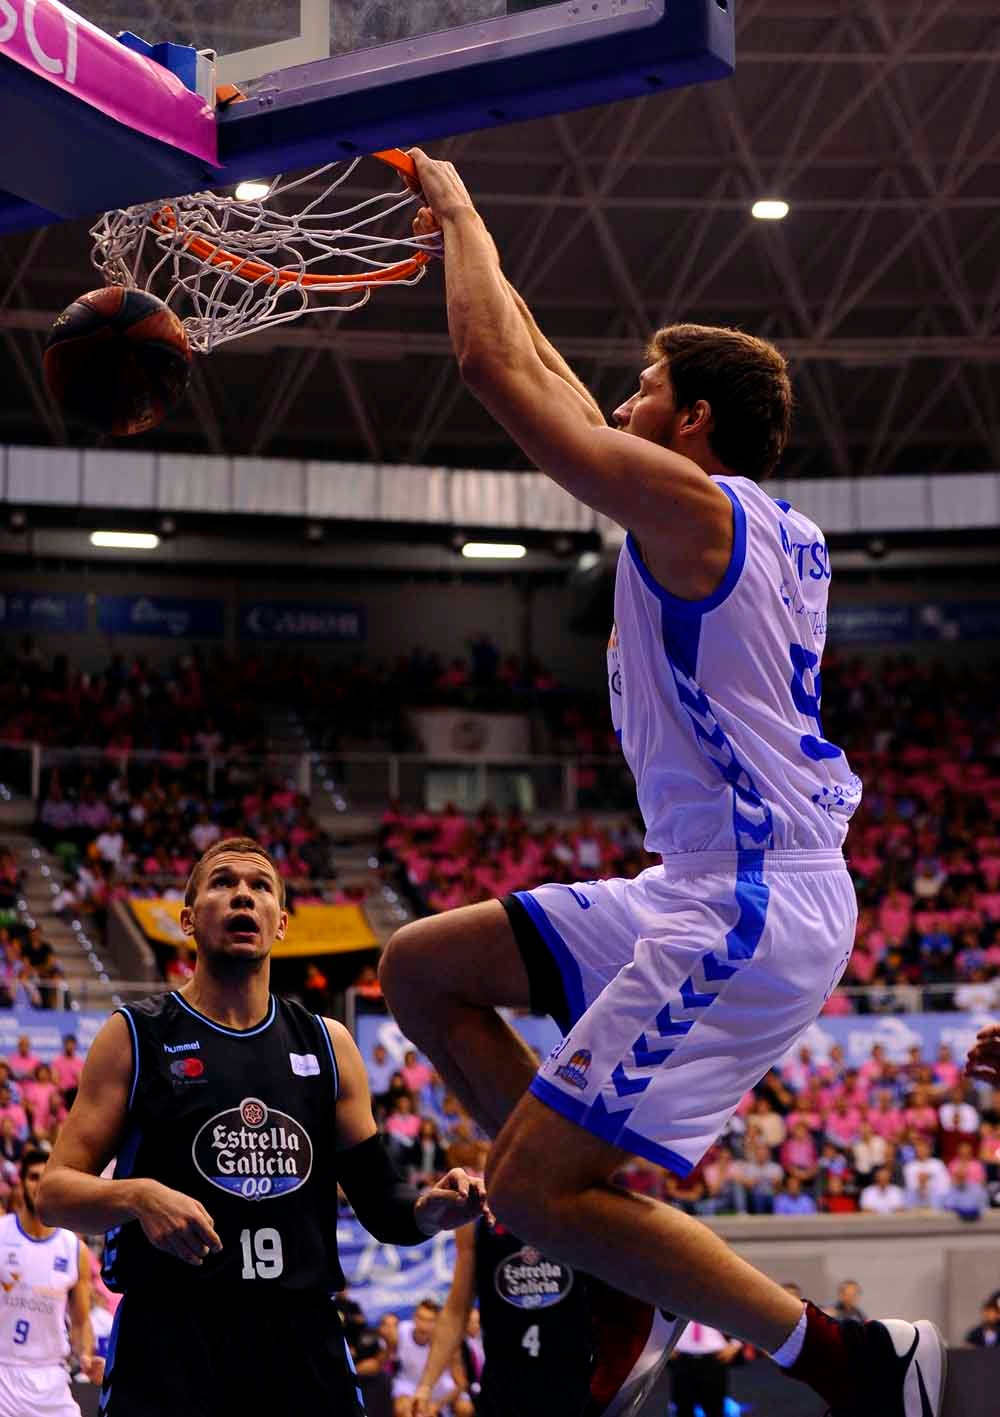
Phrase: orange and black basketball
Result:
[117,360]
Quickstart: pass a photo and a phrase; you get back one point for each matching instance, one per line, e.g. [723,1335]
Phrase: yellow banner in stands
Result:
[312,930]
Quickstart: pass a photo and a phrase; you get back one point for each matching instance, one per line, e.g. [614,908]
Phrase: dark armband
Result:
[378,1194]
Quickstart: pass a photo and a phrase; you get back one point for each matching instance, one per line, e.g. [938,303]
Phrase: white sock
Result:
[789,1351]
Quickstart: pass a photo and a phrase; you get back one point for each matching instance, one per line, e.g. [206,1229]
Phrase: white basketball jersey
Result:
[717,702]
[35,1279]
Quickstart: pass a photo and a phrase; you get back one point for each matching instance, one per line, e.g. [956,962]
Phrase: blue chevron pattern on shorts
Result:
[696,994]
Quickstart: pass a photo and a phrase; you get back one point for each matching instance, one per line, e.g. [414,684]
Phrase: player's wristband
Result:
[381,1199]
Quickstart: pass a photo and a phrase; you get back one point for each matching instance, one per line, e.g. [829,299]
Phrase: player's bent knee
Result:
[404,969]
[520,1201]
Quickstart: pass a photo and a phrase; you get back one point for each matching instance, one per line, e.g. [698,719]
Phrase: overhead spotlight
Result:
[876,547]
[168,527]
[493,551]
[562,545]
[253,190]
[125,540]
[17,522]
[769,209]
[315,531]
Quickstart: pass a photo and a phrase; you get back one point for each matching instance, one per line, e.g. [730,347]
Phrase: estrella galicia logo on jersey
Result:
[575,1071]
[253,1151]
[530,1281]
[188,1069]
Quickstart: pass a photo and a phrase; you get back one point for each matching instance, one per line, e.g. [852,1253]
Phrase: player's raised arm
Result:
[387,1205]
[655,491]
[74,1194]
[449,1330]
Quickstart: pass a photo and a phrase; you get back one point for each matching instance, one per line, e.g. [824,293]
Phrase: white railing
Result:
[341,782]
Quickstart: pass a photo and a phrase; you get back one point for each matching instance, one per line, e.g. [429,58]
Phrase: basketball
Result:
[117,360]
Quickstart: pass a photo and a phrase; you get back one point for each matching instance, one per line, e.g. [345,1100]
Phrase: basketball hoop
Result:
[230,266]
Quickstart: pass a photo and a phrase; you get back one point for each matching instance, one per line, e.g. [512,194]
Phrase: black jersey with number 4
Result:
[243,1121]
[537,1334]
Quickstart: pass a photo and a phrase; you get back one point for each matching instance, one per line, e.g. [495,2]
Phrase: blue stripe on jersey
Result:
[333,1057]
[221,1027]
[110,1362]
[561,953]
[734,570]
[135,1055]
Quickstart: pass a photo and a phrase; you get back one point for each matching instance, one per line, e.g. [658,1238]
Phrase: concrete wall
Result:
[909,1266]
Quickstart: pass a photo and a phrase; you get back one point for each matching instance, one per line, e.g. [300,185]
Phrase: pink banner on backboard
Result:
[66,50]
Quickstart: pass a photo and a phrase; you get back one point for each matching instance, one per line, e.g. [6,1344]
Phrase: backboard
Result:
[325,79]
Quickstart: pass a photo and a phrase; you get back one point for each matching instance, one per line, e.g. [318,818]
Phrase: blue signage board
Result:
[172,616]
[302,620]
[864,624]
[43,612]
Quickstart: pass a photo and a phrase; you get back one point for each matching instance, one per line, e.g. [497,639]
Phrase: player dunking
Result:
[677,991]
[233,1115]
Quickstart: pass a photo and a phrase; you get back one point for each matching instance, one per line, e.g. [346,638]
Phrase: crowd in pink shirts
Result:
[450,858]
[35,1097]
[820,1136]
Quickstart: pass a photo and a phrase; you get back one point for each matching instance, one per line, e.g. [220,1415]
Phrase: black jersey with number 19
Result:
[244,1122]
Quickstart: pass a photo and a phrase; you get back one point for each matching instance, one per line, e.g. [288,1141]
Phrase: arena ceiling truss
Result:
[877,120]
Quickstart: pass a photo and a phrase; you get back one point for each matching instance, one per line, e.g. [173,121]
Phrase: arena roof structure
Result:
[876,120]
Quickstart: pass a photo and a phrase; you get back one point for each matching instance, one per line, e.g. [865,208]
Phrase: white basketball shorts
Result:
[683,987]
[35,1392]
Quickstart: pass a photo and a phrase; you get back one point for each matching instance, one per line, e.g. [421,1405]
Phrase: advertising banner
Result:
[312,929]
[170,616]
[43,612]
[302,620]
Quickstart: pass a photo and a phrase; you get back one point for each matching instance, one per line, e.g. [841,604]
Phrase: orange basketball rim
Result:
[166,220]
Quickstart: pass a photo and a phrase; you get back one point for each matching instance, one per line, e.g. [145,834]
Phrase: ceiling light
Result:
[125,540]
[769,210]
[254,190]
[493,551]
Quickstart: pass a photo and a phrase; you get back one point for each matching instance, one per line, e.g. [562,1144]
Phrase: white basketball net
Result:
[229,267]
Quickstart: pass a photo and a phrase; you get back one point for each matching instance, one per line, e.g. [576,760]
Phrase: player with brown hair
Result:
[676,992]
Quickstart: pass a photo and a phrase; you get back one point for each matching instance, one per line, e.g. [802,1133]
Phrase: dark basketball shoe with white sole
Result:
[901,1369]
[883,1368]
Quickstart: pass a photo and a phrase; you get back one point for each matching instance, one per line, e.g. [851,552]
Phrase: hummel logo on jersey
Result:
[180,1047]
[304,1065]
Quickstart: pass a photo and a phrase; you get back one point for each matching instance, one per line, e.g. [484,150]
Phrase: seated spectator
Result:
[924,1196]
[315,990]
[642,1177]
[417,1073]
[380,1070]
[835,1198]
[986,1334]
[989,1150]
[966,1158]
[936,1178]
[887,1119]
[798,1155]
[762,1177]
[402,1125]
[847,1306]
[11,1143]
[959,1122]
[947,1074]
[882,1197]
[967,1198]
[843,1124]
[14,1113]
[920,1114]
[23,1061]
[869,1152]
[792,1200]
[66,1069]
[425,1158]
[42,1101]
[724,1190]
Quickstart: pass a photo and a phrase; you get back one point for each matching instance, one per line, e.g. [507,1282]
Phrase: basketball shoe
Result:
[882,1368]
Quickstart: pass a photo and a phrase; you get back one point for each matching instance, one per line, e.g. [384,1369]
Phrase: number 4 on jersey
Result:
[531,1341]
